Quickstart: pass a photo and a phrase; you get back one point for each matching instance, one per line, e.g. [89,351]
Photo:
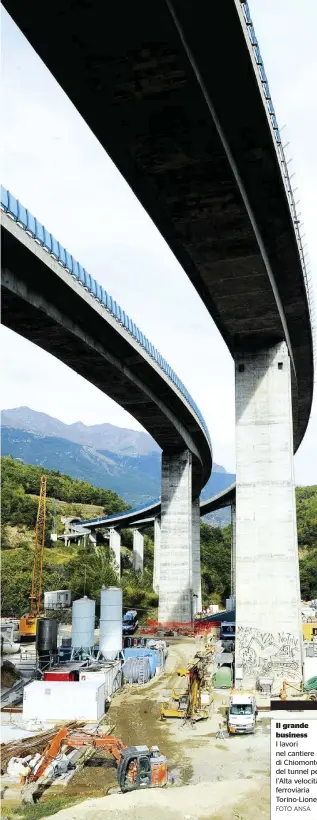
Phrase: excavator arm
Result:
[77,740]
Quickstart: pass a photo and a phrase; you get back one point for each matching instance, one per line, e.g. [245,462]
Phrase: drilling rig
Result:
[29,620]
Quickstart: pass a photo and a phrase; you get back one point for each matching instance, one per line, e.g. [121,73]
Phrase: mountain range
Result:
[126,461]
[98,436]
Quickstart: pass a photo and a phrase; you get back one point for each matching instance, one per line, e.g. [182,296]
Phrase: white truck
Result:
[242,713]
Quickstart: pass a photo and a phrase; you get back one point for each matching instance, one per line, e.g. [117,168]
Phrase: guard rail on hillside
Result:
[283,163]
[40,234]
[129,512]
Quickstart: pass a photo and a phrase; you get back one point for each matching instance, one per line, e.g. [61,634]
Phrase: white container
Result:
[83,623]
[57,599]
[63,700]
[10,648]
[110,676]
[110,638]
[10,633]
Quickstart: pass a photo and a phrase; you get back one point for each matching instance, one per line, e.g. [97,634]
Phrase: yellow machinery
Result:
[189,701]
[283,692]
[285,685]
[309,630]
[29,620]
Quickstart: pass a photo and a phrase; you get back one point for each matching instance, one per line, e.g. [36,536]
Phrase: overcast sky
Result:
[55,166]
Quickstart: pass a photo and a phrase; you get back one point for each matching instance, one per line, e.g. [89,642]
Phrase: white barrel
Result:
[110,640]
[83,623]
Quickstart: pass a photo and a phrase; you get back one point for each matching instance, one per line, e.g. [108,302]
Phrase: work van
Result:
[130,622]
[242,713]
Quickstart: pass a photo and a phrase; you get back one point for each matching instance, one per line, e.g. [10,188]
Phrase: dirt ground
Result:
[209,777]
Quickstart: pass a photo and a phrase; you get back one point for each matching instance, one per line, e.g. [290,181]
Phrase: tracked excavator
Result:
[138,767]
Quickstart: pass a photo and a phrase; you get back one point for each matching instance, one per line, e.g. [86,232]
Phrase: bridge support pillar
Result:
[175,591]
[233,550]
[157,547]
[138,551]
[197,601]
[115,546]
[268,624]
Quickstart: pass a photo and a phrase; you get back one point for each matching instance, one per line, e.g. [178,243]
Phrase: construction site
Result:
[100,711]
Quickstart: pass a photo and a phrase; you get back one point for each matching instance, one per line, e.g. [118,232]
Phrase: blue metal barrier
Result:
[282,159]
[40,234]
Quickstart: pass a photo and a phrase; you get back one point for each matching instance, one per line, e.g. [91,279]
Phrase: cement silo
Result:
[83,626]
[110,640]
[46,641]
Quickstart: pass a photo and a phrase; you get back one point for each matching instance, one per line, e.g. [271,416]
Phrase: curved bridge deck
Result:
[52,301]
[176,92]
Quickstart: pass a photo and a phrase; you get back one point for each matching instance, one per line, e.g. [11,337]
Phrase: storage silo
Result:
[46,641]
[110,640]
[83,626]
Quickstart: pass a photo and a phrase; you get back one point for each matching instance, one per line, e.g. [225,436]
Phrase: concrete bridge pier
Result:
[115,546]
[176,568]
[138,551]
[157,547]
[196,582]
[233,549]
[268,624]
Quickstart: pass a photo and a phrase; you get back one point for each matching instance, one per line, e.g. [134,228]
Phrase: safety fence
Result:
[283,164]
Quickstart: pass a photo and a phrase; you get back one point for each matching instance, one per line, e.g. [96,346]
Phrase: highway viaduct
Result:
[48,298]
[177,94]
[148,515]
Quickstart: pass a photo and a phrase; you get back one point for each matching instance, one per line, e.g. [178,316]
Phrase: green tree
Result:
[88,571]
[215,553]
[17,568]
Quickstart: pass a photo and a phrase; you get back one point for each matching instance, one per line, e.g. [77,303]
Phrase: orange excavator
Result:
[138,766]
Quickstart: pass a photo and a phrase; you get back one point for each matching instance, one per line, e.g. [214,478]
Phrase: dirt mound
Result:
[9,674]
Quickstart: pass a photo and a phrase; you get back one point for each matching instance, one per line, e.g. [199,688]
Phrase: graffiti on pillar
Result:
[268,653]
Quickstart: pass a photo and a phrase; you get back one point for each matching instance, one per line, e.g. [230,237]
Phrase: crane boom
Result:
[28,621]
[37,574]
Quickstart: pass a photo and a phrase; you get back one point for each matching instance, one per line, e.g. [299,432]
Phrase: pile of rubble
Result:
[50,757]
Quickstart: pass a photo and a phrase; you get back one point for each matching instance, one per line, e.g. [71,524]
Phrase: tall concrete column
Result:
[157,547]
[138,551]
[175,593]
[233,550]
[197,601]
[115,546]
[268,628]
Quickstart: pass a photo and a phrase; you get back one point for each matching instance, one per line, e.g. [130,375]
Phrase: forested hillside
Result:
[17,474]
[85,570]
[306,498]
[125,461]
[66,496]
